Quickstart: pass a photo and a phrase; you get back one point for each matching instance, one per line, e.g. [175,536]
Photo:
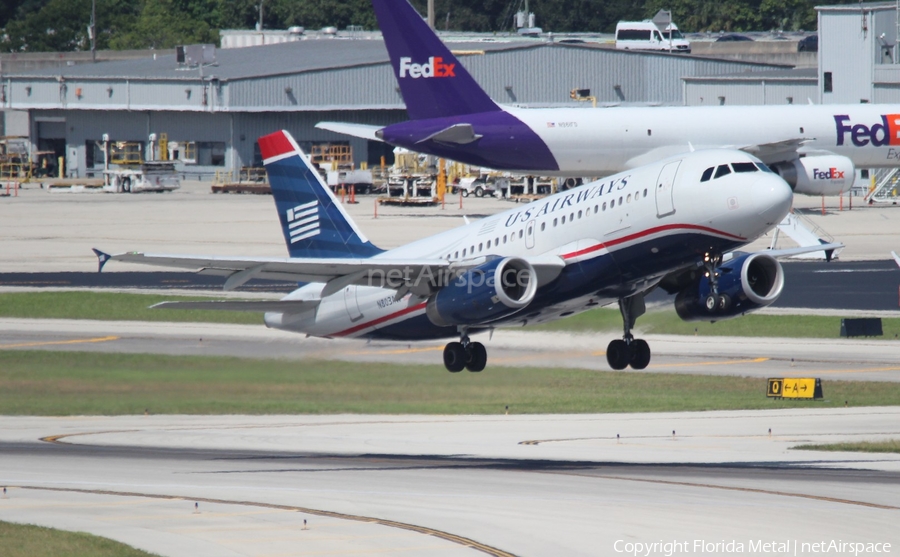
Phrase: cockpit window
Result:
[764,168]
[707,174]
[722,170]
[744,167]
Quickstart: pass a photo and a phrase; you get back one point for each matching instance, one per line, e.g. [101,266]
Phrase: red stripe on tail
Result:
[275,144]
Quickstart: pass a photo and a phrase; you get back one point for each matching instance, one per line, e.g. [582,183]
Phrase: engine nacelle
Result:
[492,291]
[818,175]
[746,283]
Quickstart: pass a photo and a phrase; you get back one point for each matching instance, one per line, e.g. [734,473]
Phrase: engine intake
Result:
[746,283]
[492,291]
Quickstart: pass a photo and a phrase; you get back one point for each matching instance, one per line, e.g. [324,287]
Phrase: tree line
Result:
[62,25]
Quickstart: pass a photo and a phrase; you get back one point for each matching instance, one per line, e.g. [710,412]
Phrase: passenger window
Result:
[596,209]
[564,219]
[744,167]
[723,170]
[489,244]
[464,252]
[628,199]
[612,203]
[520,233]
[571,216]
[504,238]
[543,226]
[645,192]
[554,222]
[620,200]
[707,174]
[604,205]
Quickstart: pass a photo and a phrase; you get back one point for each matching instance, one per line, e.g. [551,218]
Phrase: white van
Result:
[645,35]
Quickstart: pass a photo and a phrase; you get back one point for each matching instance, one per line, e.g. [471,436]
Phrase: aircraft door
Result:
[665,190]
[351,303]
[529,234]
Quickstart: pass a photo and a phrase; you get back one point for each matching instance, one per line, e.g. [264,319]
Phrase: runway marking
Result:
[719,363]
[396,351]
[59,342]
[452,538]
[741,489]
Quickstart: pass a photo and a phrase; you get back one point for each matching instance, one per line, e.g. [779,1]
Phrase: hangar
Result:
[212,111]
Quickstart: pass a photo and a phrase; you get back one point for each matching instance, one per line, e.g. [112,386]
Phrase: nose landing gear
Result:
[629,351]
[465,354]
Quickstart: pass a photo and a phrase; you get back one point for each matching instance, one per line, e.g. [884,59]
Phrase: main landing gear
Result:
[629,351]
[714,301]
[464,354]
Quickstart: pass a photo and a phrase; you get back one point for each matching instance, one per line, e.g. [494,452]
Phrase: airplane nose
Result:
[773,198]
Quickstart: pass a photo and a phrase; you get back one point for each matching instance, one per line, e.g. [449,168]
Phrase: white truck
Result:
[149,176]
[647,35]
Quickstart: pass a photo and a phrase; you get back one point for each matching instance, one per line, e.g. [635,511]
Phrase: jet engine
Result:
[817,175]
[745,283]
[483,294]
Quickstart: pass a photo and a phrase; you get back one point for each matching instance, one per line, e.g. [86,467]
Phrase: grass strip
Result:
[753,325]
[113,306]
[889,446]
[27,540]
[82,383]
[118,306]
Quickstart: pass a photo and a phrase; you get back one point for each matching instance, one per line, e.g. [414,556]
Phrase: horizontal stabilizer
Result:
[461,134]
[363,131]
[789,252]
[284,306]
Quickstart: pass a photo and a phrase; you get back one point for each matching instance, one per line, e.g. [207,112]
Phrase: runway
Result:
[441,485]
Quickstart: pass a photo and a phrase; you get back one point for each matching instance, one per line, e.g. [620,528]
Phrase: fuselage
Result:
[617,236]
[601,141]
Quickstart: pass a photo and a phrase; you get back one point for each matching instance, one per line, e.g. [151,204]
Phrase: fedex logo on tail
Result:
[887,132]
[435,67]
[829,174]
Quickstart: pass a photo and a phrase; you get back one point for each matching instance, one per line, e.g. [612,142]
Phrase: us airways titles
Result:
[885,133]
[583,194]
[434,67]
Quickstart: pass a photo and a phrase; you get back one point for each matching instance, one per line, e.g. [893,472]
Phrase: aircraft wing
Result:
[355,130]
[284,306]
[416,275]
[776,151]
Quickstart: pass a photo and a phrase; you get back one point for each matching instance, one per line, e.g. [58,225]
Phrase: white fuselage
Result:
[655,218]
[598,141]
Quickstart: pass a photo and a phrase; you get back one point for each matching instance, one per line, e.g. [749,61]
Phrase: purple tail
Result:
[433,82]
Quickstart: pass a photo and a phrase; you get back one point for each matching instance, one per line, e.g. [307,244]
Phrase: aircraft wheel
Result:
[640,354]
[617,354]
[454,357]
[724,302]
[712,302]
[477,357]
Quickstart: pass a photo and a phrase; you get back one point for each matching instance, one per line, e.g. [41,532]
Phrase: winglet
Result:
[102,258]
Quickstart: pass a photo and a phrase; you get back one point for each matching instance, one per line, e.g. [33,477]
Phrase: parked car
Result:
[645,35]
[808,44]
[732,38]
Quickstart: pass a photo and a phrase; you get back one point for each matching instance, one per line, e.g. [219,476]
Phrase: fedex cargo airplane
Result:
[814,148]
[667,224]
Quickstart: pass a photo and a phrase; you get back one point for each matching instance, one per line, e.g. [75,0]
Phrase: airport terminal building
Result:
[210,111]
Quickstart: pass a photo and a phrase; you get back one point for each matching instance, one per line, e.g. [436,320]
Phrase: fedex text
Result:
[886,132]
[435,67]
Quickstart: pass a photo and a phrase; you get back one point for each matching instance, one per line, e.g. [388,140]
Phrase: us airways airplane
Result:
[814,148]
[666,224]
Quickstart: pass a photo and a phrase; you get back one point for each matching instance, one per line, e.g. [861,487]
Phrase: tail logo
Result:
[303,221]
[435,67]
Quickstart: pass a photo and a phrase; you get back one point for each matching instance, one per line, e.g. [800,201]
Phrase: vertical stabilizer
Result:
[312,219]
[432,81]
